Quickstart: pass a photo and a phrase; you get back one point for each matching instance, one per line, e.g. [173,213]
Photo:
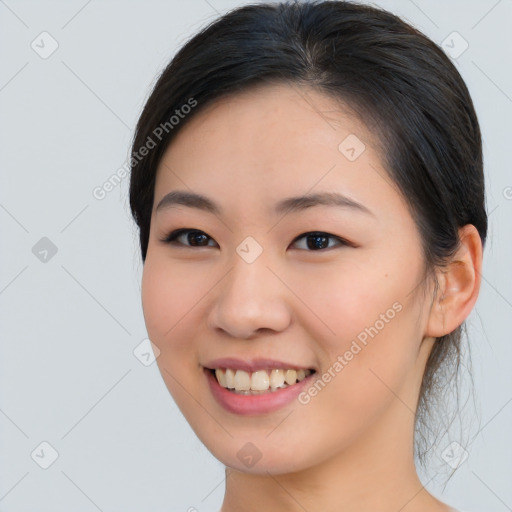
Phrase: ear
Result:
[459,284]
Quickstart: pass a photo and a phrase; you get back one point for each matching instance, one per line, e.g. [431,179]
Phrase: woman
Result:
[307,180]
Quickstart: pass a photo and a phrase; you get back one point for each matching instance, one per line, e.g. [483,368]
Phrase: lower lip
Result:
[255,404]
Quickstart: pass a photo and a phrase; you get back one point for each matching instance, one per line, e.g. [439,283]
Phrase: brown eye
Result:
[318,240]
[188,237]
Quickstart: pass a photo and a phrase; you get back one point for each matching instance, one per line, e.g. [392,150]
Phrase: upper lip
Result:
[253,365]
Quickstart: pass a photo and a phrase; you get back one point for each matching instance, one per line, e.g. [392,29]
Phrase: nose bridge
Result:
[250,297]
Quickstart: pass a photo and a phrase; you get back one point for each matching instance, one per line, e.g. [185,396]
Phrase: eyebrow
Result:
[290,204]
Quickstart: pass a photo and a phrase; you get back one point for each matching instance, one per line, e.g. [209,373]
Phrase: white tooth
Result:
[230,378]
[219,373]
[276,378]
[290,376]
[300,375]
[242,380]
[259,380]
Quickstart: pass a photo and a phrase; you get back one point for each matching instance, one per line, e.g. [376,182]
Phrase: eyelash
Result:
[171,238]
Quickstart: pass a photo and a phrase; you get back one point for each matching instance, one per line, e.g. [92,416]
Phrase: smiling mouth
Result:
[260,381]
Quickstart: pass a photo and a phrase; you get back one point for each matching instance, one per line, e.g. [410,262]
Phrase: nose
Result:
[250,300]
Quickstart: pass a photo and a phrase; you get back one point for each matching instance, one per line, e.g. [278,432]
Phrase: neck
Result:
[376,473]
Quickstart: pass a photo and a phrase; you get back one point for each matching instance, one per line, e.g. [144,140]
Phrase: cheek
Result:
[345,298]
[170,298]
[369,335]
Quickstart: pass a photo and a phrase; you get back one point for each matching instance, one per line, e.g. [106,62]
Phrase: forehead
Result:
[297,108]
[266,129]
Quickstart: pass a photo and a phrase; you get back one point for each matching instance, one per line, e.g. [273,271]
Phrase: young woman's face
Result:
[331,285]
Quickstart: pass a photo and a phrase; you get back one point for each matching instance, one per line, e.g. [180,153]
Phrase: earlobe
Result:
[459,285]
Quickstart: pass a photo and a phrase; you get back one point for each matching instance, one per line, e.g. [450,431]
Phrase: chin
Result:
[259,455]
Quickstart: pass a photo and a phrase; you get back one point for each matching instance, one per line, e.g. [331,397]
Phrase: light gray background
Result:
[69,325]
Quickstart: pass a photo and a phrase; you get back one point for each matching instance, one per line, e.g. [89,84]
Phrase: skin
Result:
[351,447]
